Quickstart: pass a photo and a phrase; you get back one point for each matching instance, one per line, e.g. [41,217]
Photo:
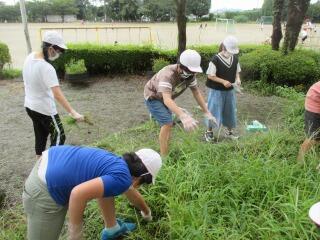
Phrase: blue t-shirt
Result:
[69,166]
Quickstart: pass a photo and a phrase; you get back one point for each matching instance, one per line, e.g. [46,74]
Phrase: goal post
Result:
[225,24]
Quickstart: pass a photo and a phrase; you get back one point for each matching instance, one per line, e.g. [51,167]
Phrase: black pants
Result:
[44,125]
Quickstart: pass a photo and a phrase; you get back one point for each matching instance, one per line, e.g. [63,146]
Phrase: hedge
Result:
[258,62]
[4,55]
[300,67]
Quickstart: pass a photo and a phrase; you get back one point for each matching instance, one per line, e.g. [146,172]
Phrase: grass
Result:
[250,189]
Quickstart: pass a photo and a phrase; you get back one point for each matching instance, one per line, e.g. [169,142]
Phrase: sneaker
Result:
[208,136]
[125,228]
[231,135]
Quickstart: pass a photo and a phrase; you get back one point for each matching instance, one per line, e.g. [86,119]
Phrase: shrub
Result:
[108,59]
[4,55]
[159,63]
[10,73]
[295,69]
[76,67]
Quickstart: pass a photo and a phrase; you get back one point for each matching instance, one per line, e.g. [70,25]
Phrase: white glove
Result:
[146,217]
[75,115]
[237,87]
[188,122]
[211,119]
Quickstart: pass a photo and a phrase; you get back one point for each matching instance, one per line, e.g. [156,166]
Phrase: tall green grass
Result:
[250,189]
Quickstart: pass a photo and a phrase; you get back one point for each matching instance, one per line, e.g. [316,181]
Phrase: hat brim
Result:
[314,213]
[195,69]
[63,46]
[233,51]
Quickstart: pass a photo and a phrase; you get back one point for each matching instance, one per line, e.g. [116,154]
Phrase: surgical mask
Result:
[227,54]
[55,57]
[185,75]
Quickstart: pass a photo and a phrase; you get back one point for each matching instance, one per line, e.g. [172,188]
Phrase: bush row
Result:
[298,69]
[110,59]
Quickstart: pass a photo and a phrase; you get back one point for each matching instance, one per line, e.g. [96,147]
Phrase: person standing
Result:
[223,74]
[42,88]
[67,177]
[311,120]
[166,85]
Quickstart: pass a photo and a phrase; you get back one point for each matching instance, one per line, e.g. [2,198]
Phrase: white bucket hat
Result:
[54,38]
[314,213]
[231,44]
[152,160]
[192,60]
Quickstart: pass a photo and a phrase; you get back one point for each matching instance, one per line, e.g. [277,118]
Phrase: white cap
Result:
[192,60]
[231,44]
[314,213]
[152,160]
[54,38]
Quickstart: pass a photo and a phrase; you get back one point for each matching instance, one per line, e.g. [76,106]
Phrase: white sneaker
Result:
[231,135]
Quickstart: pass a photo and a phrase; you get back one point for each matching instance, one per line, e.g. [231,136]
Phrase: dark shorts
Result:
[312,125]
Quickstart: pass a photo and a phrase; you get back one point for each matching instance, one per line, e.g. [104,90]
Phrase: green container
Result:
[256,126]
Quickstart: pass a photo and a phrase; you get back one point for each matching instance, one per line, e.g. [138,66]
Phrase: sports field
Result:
[163,35]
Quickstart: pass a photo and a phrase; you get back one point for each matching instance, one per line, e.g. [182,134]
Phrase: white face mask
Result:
[55,57]
[227,54]
[185,75]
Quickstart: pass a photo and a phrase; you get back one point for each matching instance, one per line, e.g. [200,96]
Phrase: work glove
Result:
[188,122]
[75,115]
[146,217]
[212,121]
[237,87]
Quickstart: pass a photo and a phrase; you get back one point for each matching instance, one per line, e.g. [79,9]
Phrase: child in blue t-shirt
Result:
[223,77]
[67,177]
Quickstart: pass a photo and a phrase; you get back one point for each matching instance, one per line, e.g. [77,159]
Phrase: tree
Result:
[10,13]
[64,7]
[129,10]
[157,10]
[314,12]
[83,6]
[296,14]
[182,25]
[277,31]
[38,10]
[199,7]
[267,8]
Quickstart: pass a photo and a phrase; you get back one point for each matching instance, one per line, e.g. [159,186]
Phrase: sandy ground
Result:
[113,104]
[163,35]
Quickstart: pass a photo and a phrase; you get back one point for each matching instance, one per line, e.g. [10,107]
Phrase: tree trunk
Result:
[182,24]
[277,31]
[296,13]
[25,24]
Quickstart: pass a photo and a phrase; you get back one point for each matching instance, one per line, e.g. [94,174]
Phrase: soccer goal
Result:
[225,24]
[266,19]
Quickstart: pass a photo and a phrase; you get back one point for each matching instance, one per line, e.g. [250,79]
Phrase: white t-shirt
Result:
[39,77]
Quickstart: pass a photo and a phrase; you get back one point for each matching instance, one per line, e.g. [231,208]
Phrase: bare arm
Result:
[238,80]
[225,83]
[137,200]
[59,96]
[199,98]
[79,197]
[171,104]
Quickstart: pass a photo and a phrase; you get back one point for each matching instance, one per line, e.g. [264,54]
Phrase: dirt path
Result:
[113,103]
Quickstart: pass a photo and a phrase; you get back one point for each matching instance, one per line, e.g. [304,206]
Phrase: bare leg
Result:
[108,211]
[164,138]
[305,147]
